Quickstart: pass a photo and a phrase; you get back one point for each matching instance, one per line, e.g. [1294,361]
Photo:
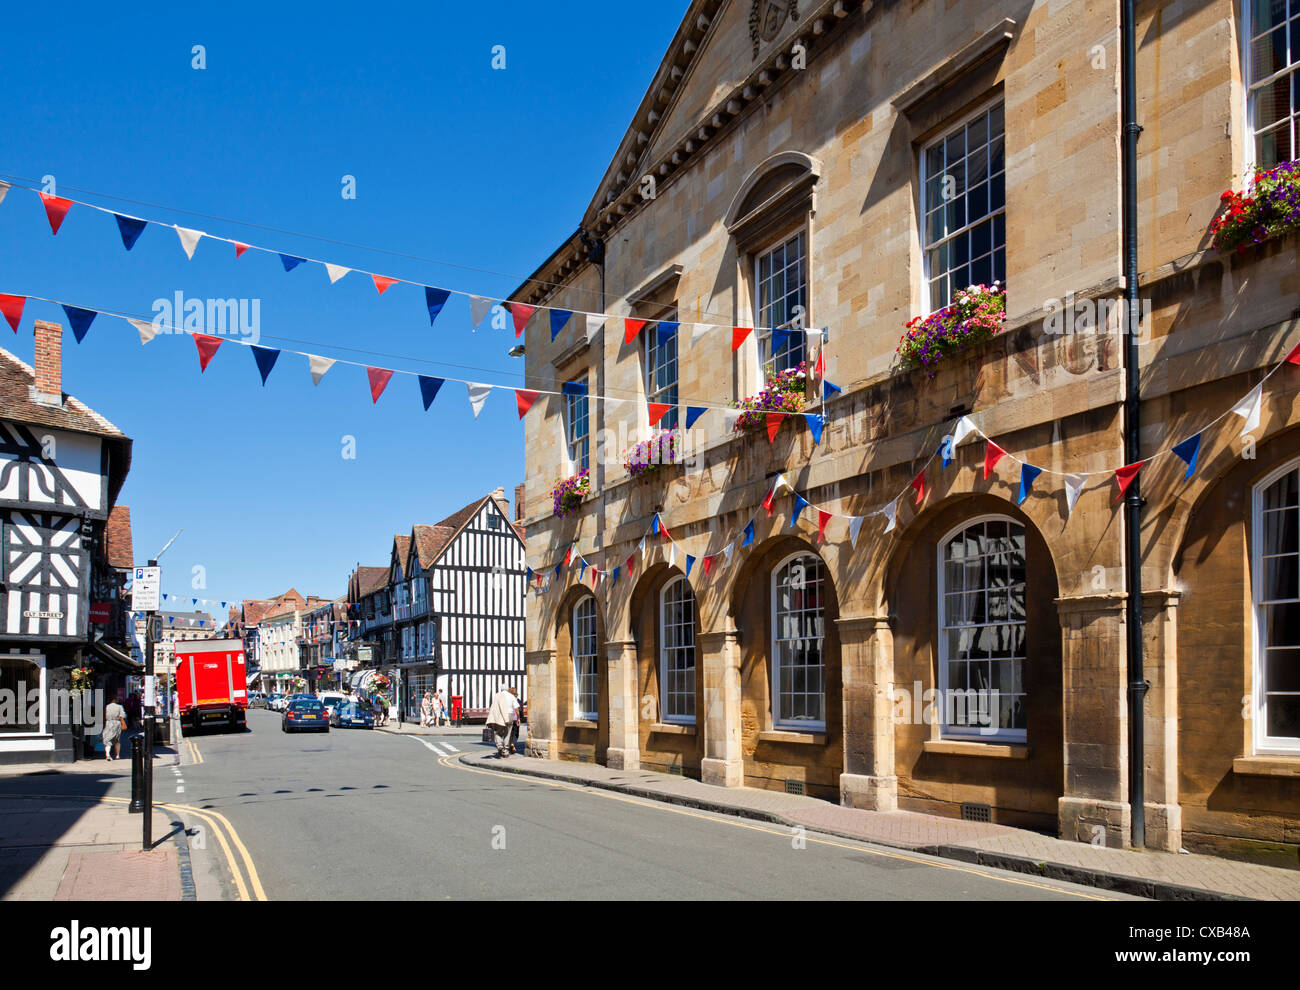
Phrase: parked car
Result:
[305,714]
[331,700]
[352,715]
[275,701]
[256,699]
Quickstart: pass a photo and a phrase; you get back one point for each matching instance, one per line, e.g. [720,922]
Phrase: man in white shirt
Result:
[501,717]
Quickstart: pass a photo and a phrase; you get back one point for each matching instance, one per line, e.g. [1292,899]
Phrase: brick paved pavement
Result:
[1167,876]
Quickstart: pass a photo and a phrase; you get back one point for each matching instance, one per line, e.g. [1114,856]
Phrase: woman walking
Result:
[114,723]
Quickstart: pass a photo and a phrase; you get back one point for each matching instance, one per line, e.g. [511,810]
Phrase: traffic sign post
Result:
[152,578]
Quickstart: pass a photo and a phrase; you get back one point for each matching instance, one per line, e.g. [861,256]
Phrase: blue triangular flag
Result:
[79,320]
[1188,450]
[557,569]
[815,425]
[1027,475]
[265,358]
[614,576]
[435,299]
[559,317]
[583,569]
[828,390]
[945,453]
[693,413]
[528,575]
[799,503]
[654,525]
[690,562]
[429,389]
[667,331]
[574,388]
[290,262]
[130,228]
[780,338]
[749,534]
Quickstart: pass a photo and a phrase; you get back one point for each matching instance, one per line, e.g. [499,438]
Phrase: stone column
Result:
[1164,815]
[1095,720]
[543,729]
[867,671]
[722,764]
[624,752]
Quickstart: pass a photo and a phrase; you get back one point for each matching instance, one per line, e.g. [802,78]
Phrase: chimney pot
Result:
[49,363]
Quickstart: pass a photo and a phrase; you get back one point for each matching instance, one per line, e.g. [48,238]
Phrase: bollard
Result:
[137,775]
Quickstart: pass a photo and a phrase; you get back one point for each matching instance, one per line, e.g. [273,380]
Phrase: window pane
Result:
[1268,54]
[1284,715]
[1282,672]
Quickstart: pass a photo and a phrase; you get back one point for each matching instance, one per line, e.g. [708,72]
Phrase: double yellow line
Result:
[453,761]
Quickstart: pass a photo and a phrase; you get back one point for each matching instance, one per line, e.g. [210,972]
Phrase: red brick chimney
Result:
[49,363]
[519,503]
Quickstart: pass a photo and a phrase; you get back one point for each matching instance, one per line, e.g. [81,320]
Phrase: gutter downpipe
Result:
[1137,685]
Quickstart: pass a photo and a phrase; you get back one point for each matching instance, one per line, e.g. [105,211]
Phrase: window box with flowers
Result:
[975,315]
[663,449]
[567,495]
[1269,207]
[784,392]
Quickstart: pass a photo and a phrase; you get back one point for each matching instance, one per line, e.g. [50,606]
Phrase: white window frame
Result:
[664,693]
[927,302]
[572,440]
[1263,744]
[670,419]
[42,723]
[976,732]
[779,720]
[578,637]
[1247,33]
[764,333]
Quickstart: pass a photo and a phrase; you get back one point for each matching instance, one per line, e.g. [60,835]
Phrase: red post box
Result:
[457,706]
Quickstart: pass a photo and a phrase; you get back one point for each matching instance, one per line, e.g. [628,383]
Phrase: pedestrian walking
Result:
[501,715]
[133,709]
[514,727]
[114,724]
[426,710]
[439,709]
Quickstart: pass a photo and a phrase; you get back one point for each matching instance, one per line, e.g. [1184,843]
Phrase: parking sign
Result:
[145,588]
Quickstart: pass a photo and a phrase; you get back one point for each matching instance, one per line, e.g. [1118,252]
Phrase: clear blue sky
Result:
[453,161]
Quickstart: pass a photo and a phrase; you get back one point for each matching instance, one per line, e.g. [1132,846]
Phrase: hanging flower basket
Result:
[784,392]
[975,315]
[81,677]
[567,495]
[299,684]
[648,456]
[1268,208]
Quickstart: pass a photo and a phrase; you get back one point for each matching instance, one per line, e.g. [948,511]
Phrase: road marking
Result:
[430,746]
[454,762]
[195,755]
[451,747]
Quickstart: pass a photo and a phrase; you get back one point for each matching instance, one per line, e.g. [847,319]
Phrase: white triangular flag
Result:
[1073,489]
[855,524]
[146,330]
[672,554]
[595,325]
[780,485]
[729,417]
[477,396]
[728,549]
[335,272]
[1249,407]
[479,307]
[962,430]
[890,512]
[318,365]
[189,239]
[698,330]
[4,188]
[642,548]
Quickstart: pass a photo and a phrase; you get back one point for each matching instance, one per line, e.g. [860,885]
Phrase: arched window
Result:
[677,652]
[982,630]
[585,651]
[1275,554]
[798,630]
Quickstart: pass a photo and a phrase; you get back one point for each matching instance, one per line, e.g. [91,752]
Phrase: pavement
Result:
[415,729]
[1142,873]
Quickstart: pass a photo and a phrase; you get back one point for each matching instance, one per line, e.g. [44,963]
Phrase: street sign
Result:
[146,587]
[155,629]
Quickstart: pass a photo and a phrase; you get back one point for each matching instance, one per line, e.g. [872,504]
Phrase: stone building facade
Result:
[864,162]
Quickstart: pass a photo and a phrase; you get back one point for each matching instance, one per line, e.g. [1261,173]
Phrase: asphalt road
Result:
[357,814]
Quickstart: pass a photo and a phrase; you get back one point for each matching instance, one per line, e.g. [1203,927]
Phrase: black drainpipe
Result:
[1137,685]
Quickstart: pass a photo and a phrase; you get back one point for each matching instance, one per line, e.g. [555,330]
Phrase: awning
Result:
[115,658]
[361,680]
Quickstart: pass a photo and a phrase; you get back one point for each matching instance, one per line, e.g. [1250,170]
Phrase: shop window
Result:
[677,652]
[982,630]
[1276,595]
[798,636]
[661,368]
[781,280]
[1272,60]
[577,430]
[19,678]
[585,658]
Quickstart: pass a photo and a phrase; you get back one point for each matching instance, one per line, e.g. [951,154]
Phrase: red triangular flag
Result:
[240,248]
[12,307]
[568,554]
[631,563]
[708,564]
[769,500]
[1125,476]
[657,410]
[992,454]
[918,483]
[1294,356]
[382,282]
[631,328]
[823,517]
[663,531]
[738,335]
[55,210]
[820,370]
[521,314]
[773,424]
[379,378]
[207,346]
[524,399]
[595,576]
